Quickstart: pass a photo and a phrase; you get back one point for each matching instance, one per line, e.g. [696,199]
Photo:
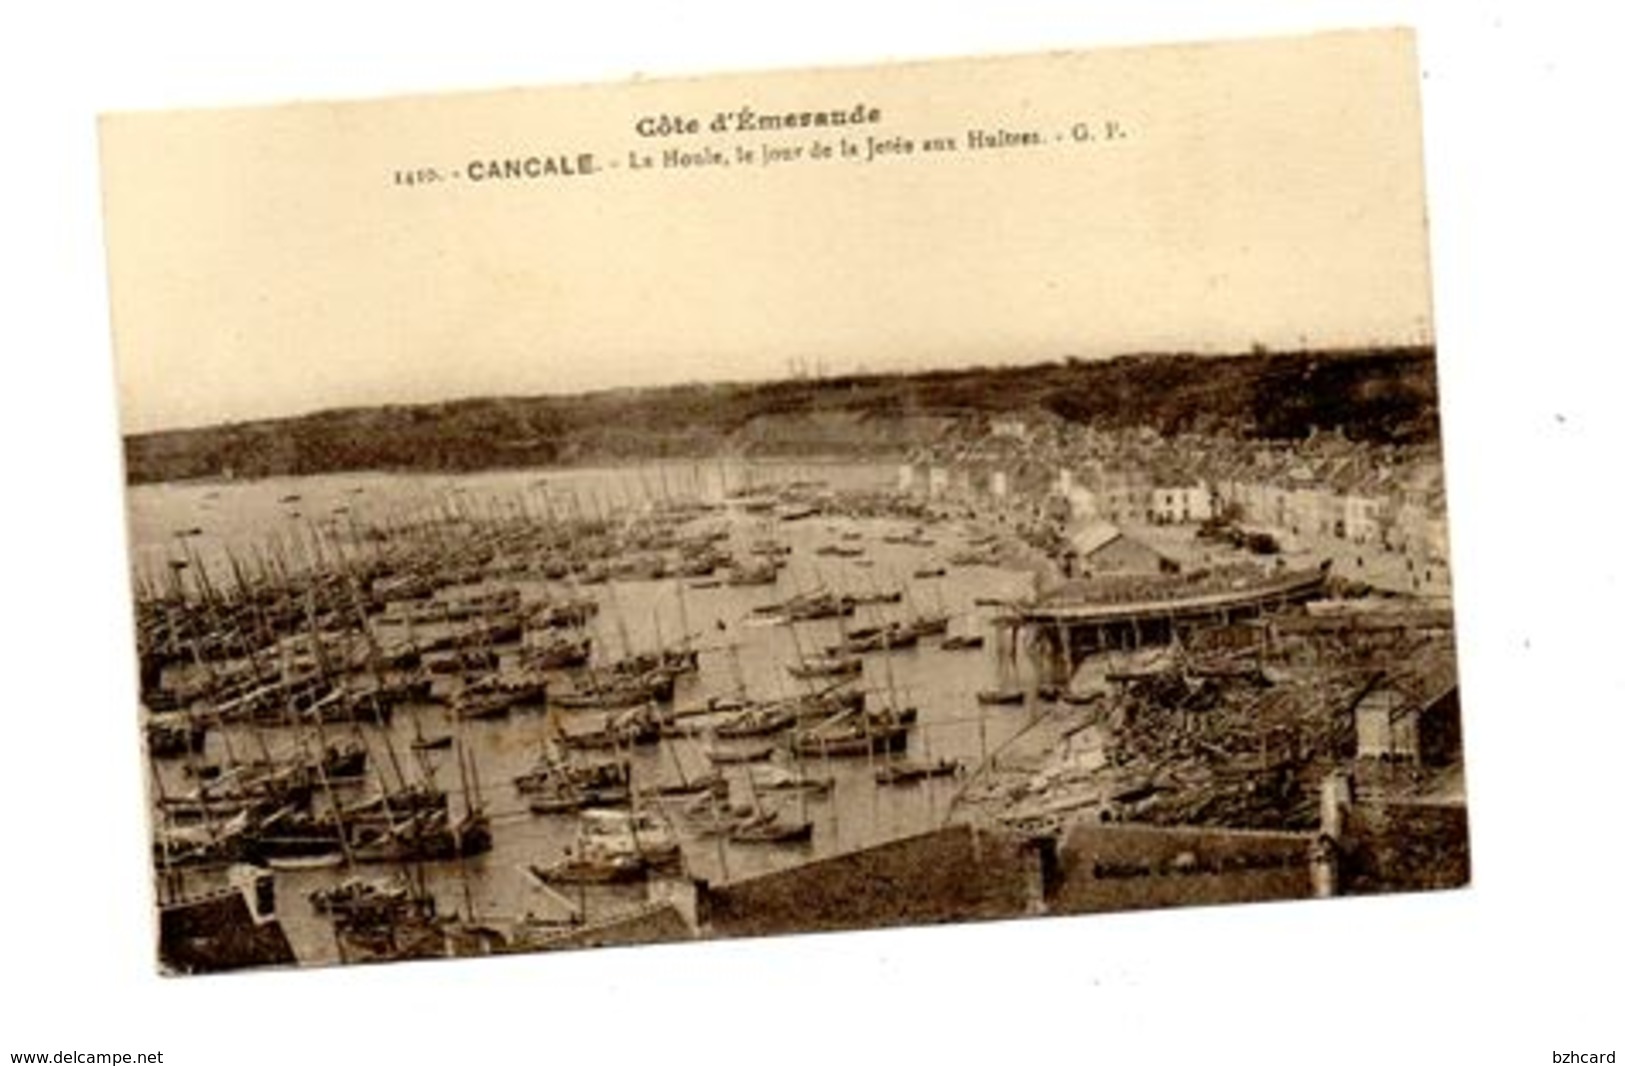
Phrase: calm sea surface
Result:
[645,615]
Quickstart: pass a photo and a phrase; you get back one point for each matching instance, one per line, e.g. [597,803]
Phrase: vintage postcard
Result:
[766,503]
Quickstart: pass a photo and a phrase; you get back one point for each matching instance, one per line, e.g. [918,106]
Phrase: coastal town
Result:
[1377,510]
[1033,667]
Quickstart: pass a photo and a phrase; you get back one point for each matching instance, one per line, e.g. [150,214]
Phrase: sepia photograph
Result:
[708,508]
[1012,532]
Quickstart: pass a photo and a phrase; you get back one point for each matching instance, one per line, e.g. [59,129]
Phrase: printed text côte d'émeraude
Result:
[749,120]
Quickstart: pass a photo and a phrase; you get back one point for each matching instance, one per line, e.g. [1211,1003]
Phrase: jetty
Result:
[1087,617]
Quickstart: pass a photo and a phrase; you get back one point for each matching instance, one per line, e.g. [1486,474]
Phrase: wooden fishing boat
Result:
[508,629]
[563,614]
[480,704]
[643,833]
[250,797]
[633,728]
[681,722]
[344,759]
[308,695]
[709,816]
[557,653]
[836,698]
[768,828]
[866,598]
[554,769]
[292,837]
[928,625]
[619,692]
[765,573]
[460,661]
[496,694]
[807,607]
[744,753]
[564,797]
[907,771]
[772,778]
[395,802]
[708,783]
[1082,699]
[426,836]
[207,843]
[759,721]
[403,688]
[558,785]
[997,697]
[320,861]
[963,642]
[591,870]
[699,566]
[893,636]
[876,735]
[612,739]
[354,894]
[826,666]
[672,661]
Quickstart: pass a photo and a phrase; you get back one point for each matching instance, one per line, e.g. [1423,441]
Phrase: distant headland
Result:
[1385,395]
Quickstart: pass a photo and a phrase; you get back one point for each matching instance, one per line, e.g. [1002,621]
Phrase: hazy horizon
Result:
[826,374]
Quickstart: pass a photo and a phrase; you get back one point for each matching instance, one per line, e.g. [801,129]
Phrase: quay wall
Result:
[958,873]
[1127,867]
[963,873]
[651,925]
[1403,847]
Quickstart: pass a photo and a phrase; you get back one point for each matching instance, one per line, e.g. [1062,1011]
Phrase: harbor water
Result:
[739,652]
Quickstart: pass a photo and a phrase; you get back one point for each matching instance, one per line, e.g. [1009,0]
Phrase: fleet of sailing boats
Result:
[273,700]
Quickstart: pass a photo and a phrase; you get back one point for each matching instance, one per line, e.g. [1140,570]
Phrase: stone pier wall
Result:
[1128,867]
[957,873]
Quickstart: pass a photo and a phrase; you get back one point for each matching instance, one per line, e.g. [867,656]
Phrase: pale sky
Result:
[263,263]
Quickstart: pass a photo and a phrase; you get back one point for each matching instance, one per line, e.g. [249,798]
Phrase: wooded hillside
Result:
[1384,395]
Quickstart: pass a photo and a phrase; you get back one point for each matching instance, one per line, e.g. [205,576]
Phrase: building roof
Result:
[1421,680]
[1094,536]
